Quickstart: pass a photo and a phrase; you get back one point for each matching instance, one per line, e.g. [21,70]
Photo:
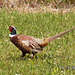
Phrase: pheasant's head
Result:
[12,29]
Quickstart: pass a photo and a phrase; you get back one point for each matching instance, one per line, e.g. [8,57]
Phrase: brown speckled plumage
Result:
[17,41]
[28,44]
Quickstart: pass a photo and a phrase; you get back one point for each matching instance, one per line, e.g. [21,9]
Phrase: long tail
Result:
[58,35]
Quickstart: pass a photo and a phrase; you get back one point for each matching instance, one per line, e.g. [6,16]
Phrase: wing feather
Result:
[30,42]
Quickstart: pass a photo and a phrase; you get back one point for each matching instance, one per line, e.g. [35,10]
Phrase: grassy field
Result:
[58,58]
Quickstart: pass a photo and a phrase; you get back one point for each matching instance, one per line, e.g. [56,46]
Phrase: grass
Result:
[57,55]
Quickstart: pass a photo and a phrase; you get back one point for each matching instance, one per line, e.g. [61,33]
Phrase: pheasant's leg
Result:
[34,55]
[23,54]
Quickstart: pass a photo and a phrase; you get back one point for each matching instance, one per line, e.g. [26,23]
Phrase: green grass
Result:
[58,53]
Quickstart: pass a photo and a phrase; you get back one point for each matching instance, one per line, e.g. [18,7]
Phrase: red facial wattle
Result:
[10,28]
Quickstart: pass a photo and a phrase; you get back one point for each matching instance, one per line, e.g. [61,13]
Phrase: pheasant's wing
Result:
[34,46]
[30,42]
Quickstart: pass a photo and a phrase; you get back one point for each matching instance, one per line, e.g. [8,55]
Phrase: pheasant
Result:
[28,44]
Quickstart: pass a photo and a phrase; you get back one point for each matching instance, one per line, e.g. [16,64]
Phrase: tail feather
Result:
[58,35]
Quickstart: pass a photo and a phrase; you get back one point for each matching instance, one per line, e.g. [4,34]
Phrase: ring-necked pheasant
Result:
[28,44]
